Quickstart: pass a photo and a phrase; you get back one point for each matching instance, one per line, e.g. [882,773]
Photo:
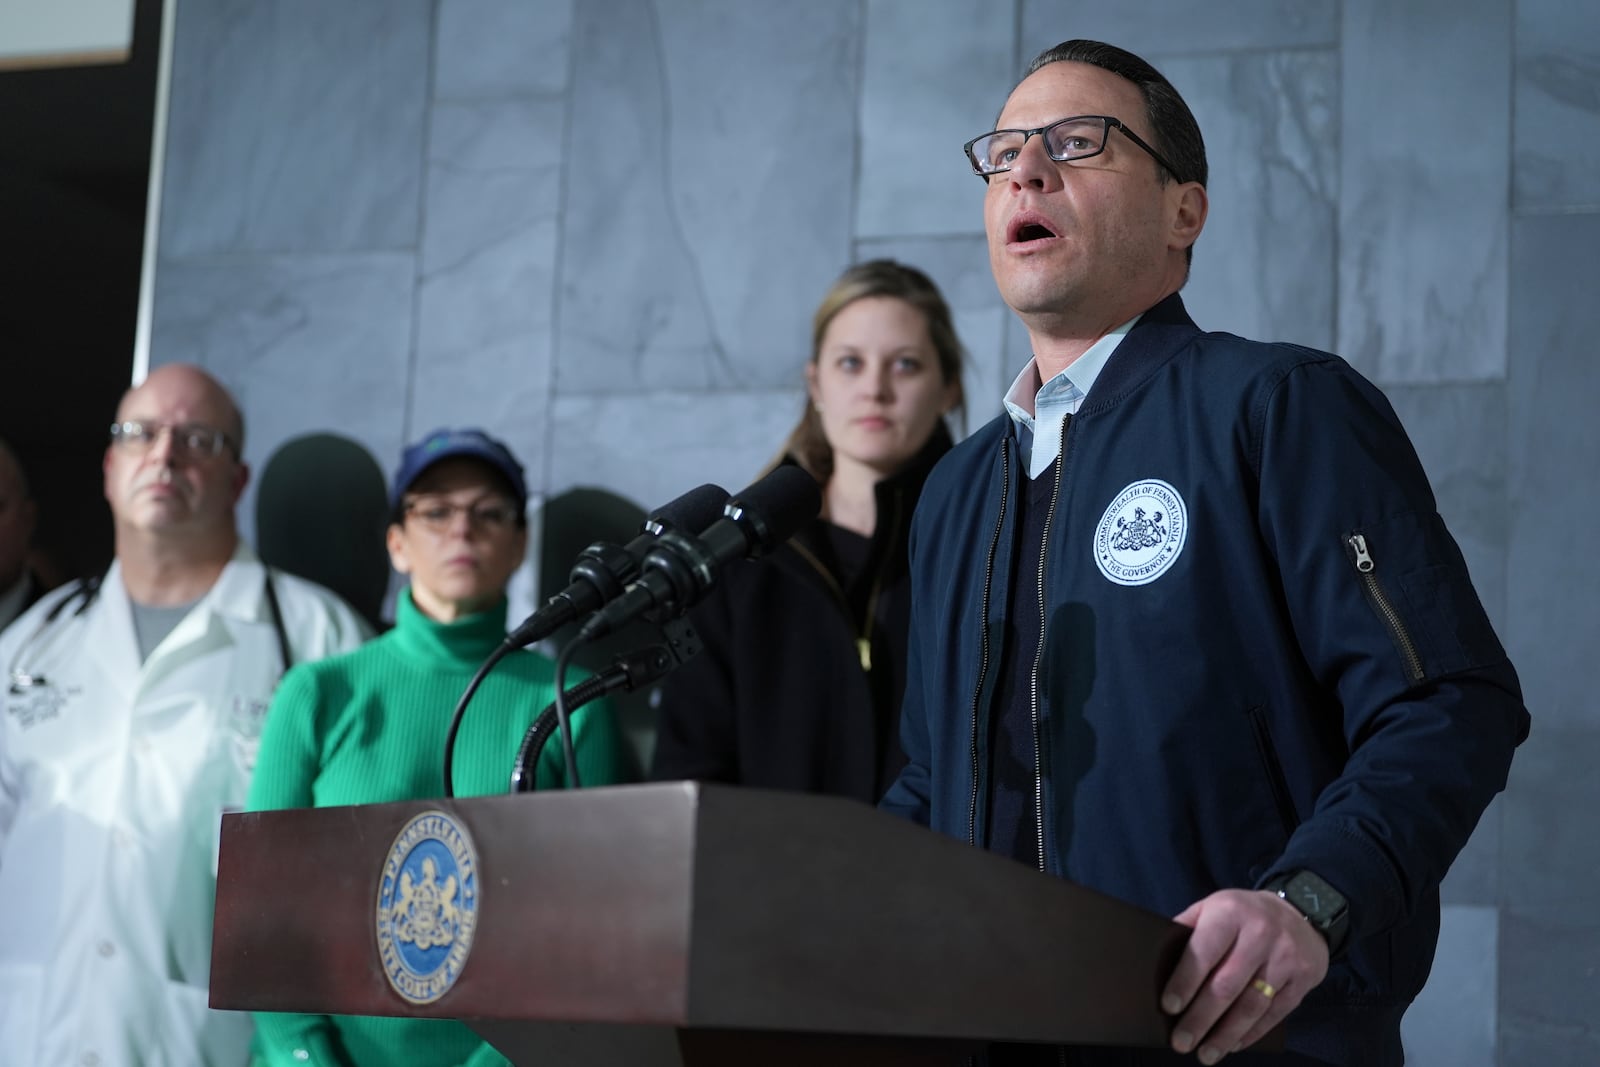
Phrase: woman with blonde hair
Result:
[799,683]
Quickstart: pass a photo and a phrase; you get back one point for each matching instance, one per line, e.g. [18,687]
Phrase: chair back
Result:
[322,506]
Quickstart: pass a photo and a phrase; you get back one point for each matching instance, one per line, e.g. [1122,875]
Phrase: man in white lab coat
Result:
[131,713]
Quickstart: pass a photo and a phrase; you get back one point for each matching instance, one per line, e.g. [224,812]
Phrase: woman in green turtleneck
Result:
[369,726]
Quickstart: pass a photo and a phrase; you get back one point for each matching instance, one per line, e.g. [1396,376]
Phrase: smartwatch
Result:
[1324,907]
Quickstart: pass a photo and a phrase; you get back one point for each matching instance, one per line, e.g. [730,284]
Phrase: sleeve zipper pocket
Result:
[1367,567]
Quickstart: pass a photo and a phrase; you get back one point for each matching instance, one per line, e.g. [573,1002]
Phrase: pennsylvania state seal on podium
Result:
[427,907]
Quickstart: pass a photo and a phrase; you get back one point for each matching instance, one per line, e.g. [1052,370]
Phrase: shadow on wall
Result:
[322,506]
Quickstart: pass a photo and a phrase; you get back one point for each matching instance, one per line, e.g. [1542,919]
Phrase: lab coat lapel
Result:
[211,627]
[109,631]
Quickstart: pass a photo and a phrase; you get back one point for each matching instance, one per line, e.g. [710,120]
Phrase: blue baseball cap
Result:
[450,444]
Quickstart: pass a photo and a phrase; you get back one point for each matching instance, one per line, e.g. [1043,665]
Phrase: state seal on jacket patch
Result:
[1142,533]
[427,907]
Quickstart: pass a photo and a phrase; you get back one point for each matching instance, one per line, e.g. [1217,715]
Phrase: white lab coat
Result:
[113,777]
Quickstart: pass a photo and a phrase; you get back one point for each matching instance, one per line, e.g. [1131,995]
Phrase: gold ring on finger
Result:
[1265,988]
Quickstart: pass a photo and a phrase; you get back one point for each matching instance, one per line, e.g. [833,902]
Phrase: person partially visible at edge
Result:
[19,586]
[370,726]
[799,683]
[1187,627]
[134,703]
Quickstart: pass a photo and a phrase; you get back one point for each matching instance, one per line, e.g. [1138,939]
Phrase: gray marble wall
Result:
[599,228]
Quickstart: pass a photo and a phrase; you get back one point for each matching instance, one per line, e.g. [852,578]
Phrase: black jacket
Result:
[779,698]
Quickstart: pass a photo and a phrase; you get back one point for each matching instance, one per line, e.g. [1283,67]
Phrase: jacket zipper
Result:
[983,625]
[863,639]
[1038,656]
[1367,567]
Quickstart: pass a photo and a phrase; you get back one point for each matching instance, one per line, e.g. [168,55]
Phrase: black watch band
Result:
[1324,907]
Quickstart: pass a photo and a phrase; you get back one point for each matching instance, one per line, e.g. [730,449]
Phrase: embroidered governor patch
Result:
[1141,533]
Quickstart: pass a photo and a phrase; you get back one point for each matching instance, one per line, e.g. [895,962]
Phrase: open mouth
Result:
[1027,227]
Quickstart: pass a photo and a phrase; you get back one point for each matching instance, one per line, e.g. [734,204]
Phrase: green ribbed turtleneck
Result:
[465,643]
[368,727]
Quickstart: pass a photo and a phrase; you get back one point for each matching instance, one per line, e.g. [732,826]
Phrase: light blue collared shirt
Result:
[1039,416]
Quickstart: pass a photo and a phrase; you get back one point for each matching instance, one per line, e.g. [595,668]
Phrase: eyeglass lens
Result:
[140,436]
[440,515]
[1072,138]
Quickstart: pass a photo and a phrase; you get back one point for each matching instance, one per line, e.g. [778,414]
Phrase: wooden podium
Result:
[696,924]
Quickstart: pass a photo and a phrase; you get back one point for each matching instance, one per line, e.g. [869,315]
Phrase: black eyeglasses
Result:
[138,437]
[1078,137]
[439,515]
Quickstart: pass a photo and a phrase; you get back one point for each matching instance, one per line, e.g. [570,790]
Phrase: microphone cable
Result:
[504,649]
[563,719]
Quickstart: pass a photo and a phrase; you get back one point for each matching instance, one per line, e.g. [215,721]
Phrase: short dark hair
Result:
[1172,124]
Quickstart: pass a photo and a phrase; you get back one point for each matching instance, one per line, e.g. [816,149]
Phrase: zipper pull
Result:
[1358,545]
[864,650]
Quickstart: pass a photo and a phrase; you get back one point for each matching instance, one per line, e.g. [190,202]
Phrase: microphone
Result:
[679,569]
[628,672]
[603,570]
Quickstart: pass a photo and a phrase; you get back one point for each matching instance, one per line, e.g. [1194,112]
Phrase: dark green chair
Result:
[322,506]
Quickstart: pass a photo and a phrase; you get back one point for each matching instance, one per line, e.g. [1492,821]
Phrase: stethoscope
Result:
[84,593]
[82,597]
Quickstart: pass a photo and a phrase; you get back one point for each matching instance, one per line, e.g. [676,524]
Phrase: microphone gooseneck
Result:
[628,671]
[600,575]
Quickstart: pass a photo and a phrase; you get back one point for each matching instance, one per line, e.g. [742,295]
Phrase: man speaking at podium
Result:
[1187,628]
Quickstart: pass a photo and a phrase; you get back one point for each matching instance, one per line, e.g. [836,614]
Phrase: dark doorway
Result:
[74,175]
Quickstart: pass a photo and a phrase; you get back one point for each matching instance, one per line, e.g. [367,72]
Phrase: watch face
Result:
[1320,901]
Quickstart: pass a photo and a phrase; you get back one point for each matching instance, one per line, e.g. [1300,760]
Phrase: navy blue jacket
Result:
[1261,652]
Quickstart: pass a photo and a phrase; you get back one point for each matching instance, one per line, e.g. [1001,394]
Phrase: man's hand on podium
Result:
[1250,961]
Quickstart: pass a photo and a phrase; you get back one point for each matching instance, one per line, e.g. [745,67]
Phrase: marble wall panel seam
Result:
[558,252]
[258,256]
[539,96]
[1267,51]
[1498,377]
[1018,32]
[723,363]
[413,345]
[947,237]
[424,151]
[858,156]
[1529,211]
[419,275]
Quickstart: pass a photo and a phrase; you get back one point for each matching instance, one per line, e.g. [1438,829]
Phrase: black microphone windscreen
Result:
[777,506]
[693,511]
